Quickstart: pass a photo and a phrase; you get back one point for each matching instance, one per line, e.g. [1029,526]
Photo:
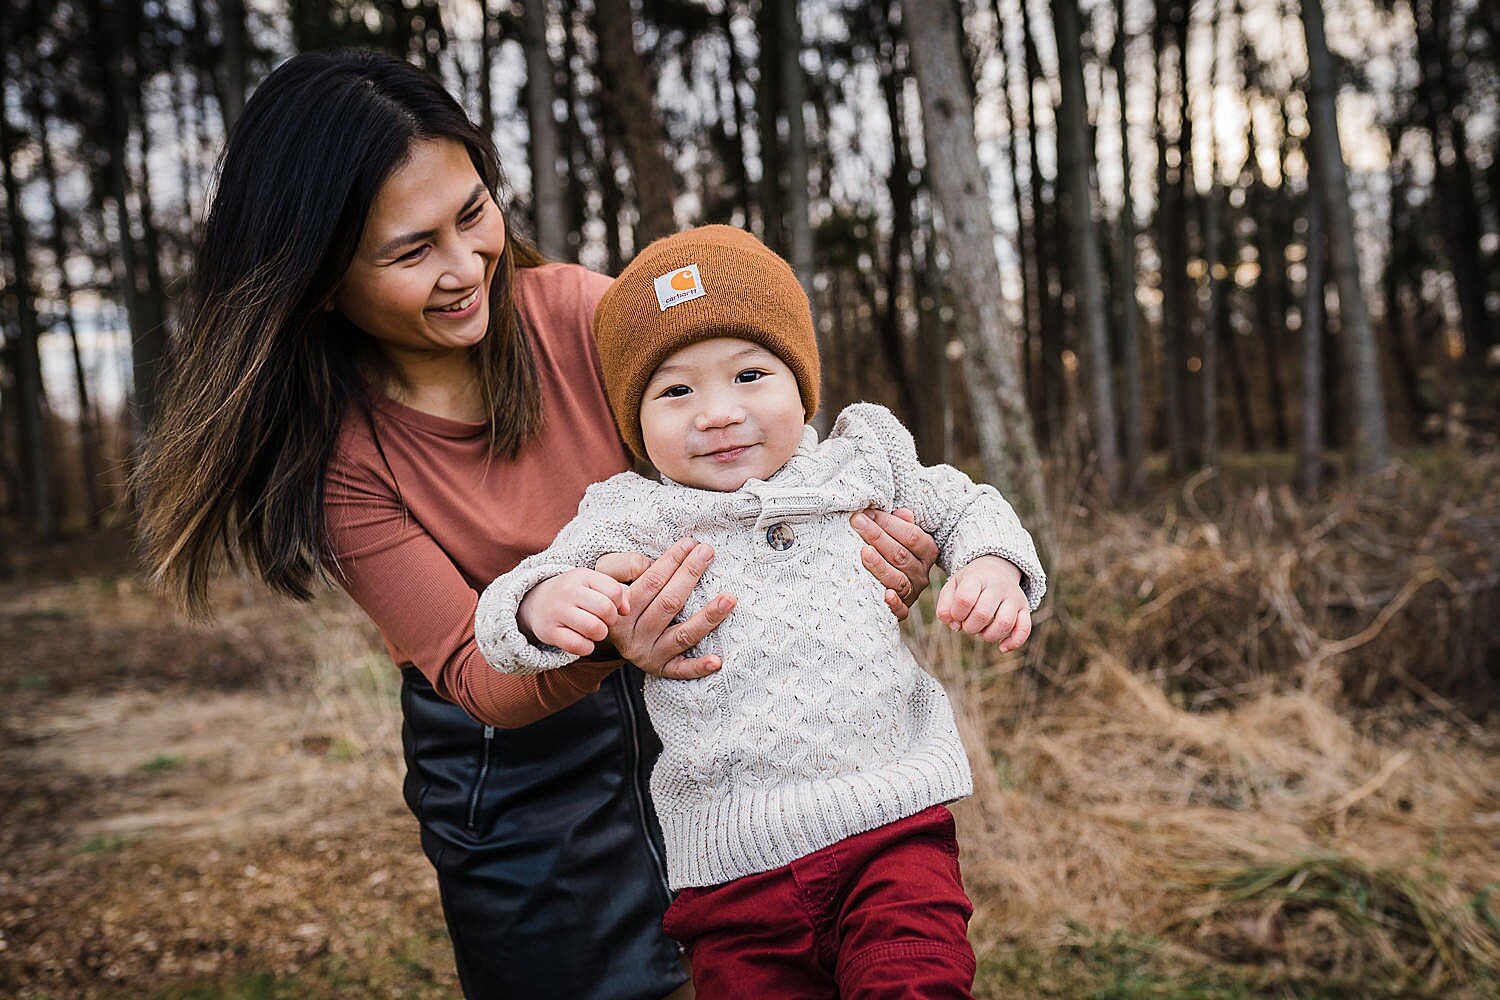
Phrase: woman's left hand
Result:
[897,553]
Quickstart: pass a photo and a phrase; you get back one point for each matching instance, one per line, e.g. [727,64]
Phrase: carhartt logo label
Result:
[676,287]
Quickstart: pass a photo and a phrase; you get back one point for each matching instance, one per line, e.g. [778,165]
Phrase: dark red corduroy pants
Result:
[880,915]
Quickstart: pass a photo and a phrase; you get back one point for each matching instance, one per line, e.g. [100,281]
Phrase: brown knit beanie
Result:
[714,281]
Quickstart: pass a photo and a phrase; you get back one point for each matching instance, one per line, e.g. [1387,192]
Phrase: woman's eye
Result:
[473,216]
[672,392]
[749,375]
[414,254]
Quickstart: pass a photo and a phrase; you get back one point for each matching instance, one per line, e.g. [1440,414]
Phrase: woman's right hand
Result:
[659,590]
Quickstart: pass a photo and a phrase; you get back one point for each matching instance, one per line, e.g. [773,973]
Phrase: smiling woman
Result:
[432,243]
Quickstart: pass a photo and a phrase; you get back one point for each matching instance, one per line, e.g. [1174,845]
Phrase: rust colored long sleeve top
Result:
[421,524]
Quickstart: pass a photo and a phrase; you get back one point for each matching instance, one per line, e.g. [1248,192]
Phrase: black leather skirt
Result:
[548,854]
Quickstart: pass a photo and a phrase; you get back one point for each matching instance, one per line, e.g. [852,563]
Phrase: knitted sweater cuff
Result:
[497,631]
[980,533]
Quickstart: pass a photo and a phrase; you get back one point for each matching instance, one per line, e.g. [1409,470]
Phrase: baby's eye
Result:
[673,391]
[750,375]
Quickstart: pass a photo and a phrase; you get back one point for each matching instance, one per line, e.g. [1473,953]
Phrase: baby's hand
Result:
[985,599]
[573,610]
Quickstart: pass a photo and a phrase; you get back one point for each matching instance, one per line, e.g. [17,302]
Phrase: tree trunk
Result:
[88,424]
[1076,167]
[487,41]
[147,333]
[1051,405]
[1212,215]
[541,98]
[735,75]
[888,324]
[1234,367]
[1270,287]
[1397,270]
[580,168]
[629,97]
[1171,240]
[1134,409]
[793,89]
[34,462]
[768,99]
[1454,181]
[1372,449]
[612,199]
[233,76]
[1310,451]
[1025,256]
[995,393]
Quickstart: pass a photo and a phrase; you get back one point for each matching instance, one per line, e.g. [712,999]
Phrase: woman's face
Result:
[419,282]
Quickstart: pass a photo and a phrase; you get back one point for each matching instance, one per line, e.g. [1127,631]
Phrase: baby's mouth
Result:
[727,455]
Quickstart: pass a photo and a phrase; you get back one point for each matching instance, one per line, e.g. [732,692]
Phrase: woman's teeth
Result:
[460,306]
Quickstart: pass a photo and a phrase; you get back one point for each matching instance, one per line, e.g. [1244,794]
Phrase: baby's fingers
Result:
[589,624]
[966,592]
[1020,633]
[565,639]
[986,604]
[613,591]
[944,608]
[1001,625]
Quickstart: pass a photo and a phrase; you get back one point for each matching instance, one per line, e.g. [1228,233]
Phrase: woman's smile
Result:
[461,309]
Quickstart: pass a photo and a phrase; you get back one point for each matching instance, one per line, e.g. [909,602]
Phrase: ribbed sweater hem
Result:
[757,829]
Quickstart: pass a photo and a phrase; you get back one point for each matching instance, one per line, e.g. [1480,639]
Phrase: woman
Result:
[379,383]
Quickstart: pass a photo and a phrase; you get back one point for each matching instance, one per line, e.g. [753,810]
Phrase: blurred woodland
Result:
[1210,289]
[1289,241]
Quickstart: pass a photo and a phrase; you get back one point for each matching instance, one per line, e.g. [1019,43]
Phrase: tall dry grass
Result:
[1251,745]
[1256,732]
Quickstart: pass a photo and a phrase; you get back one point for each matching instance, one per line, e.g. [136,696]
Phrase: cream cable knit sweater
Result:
[820,725]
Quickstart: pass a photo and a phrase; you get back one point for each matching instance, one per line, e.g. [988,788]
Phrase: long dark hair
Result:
[261,373]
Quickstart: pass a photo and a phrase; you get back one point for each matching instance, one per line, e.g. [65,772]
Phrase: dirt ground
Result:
[193,811]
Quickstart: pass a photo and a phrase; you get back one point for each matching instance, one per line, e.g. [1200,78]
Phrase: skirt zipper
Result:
[484,770]
[635,782]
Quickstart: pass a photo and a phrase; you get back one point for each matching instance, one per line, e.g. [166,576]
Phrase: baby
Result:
[801,787]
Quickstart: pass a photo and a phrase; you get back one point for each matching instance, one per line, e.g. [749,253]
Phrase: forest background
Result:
[1210,288]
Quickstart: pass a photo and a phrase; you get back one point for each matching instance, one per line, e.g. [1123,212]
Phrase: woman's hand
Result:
[898,554]
[646,635]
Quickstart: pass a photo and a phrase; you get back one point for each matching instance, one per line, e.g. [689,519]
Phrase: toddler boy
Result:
[801,787]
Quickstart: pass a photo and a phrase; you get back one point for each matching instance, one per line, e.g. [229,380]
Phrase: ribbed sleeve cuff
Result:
[981,533]
[498,633]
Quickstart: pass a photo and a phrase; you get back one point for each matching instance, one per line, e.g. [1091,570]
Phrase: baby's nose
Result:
[721,415]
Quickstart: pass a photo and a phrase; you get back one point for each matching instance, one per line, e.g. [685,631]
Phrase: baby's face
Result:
[720,412]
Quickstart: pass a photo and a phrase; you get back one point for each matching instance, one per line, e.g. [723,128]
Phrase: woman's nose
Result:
[464,267]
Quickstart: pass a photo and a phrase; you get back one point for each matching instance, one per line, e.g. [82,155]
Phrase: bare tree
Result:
[1133,411]
[993,379]
[1088,274]
[1310,443]
[1371,441]
[541,97]
[630,98]
[793,89]
[28,367]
